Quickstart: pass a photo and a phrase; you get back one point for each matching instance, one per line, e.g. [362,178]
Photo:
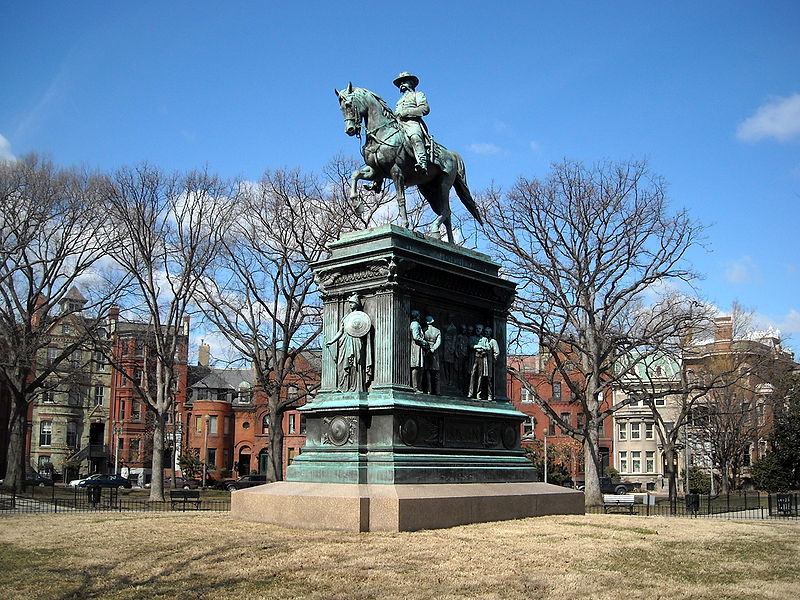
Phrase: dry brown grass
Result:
[176,556]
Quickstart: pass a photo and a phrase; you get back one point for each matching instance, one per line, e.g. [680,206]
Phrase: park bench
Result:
[184,497]
[618,501]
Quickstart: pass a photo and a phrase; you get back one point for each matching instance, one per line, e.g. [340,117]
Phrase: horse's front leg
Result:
[400,188]
[364,172]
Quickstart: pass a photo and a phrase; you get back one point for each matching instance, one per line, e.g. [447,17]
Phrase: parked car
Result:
[180,483]
[34,479]
[245,481]
[608,486]
[101,480]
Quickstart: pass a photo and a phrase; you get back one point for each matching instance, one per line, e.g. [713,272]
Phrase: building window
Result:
[212,424]
[302,424]
[661,401]
[226,426]
[45,433]
[551,429]
[526,396]
[623,462]
[581,421]
[99,395]
[74,396]
[291,424]
[48,396]
[134,448]
[52,355]
[650,461]
[622,431]
[636,461]
[557,391]
[226,458]
[528,428]
[75,359]
[121,415]
[648,431]
[120,444]
[198,424]
[136,411]
[100,361]
[44,464]
[65,329]
[636,433]
[265,424]
[566,417]
[211,457]
[244,393]
[72,435]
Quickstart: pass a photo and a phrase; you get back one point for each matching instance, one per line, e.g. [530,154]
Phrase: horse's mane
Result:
[387,112]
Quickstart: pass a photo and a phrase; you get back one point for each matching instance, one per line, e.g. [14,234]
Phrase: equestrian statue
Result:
[398,147]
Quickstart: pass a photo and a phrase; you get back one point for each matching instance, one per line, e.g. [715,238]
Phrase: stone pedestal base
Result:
[372,507]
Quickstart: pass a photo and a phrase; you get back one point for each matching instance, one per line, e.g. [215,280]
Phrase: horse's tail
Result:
[462,190]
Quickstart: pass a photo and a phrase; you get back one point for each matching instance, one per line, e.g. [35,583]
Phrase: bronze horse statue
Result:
[388,155]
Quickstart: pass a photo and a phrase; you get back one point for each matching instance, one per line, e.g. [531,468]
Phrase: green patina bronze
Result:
[395,429]
[398,147]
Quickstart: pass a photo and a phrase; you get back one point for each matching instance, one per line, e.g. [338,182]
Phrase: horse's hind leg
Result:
[444,212]
[400,189]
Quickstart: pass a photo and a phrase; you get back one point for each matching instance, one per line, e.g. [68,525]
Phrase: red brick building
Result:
[226,418]
[540,372]
[130,431]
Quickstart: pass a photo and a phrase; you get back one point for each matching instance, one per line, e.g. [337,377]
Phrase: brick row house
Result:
[540,372]
[68,420]
[90,418]
[629,442]
[227,417]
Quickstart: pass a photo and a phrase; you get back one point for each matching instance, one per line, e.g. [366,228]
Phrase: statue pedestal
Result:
[389,446]
[353,507]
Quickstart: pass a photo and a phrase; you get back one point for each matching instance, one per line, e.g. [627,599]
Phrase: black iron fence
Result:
[735,505]
[54,499]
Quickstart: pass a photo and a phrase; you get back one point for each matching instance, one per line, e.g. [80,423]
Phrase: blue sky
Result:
[709,92]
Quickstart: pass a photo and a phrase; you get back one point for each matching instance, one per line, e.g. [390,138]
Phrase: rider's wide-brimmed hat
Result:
[406,76]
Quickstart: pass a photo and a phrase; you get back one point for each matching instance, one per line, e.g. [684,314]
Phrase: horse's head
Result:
[351,110]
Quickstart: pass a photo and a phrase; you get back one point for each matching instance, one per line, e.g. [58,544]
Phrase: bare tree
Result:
[262,295]
[171,229]
[748,373]
[53,238]
[590,248]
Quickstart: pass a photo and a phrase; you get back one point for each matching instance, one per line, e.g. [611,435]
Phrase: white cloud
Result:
[742,270]
[778,119]
[534,145]
[5,149]
[484,148]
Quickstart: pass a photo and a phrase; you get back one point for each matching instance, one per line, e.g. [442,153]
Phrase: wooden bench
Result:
[184,497]
[618,501]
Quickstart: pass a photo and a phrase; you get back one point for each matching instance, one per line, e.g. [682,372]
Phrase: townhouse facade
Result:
[227,417]
[539,428]
[68,418]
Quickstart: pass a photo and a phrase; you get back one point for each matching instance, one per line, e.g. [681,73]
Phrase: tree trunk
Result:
[275,463]
[593,496]
[157,476]
[671,471]
[15,469]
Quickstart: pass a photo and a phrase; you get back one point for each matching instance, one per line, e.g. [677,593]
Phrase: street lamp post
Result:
[117,431]
[544,431]
[207,418]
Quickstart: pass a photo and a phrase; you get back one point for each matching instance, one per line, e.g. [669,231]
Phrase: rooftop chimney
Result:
[723,329]
[203,354]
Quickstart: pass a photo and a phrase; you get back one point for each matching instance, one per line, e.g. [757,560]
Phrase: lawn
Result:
[176,556]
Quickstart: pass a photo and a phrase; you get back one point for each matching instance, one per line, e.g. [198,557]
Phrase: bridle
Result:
[352,116]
